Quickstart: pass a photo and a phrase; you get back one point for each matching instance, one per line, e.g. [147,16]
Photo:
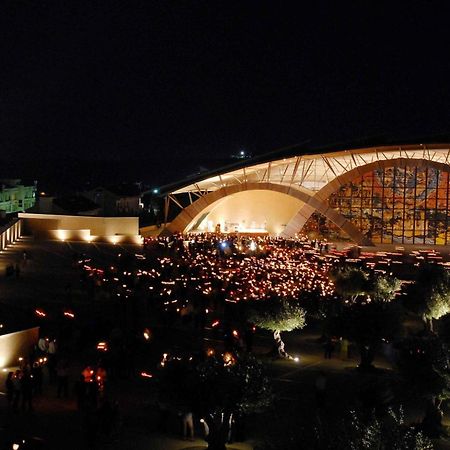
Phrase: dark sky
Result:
[168,79]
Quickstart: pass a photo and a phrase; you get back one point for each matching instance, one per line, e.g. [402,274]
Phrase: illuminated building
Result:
[15,197]
[392,194]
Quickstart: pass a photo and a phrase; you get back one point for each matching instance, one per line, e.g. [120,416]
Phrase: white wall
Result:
[62,227]
[16,345]
[253,209]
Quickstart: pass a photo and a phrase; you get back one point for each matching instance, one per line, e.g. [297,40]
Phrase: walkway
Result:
[44,280]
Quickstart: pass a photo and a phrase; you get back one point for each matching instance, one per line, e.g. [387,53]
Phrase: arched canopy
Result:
[191,213]
[315,170]
[310,178]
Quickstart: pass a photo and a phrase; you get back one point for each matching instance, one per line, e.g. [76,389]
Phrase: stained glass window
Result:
[398,205]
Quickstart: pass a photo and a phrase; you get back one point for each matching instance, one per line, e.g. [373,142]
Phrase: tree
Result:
[429,295]
[353,432]
[350,282]
[277,315]
[423,363]
[443,330]
[390,433]
[218,389]
[384,288]
[368,316]
[353,282]
[368,324]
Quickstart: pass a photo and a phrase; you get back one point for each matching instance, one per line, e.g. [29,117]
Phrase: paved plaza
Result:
[45,280]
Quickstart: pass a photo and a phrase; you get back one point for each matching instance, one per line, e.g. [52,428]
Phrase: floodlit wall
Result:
[81,228]
[9,233]
[251,211]
[17,345]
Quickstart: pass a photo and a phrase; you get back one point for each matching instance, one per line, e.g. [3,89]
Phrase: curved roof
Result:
[310,167]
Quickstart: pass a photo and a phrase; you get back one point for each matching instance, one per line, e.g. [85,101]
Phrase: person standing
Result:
[343,349]
[43,345]
[36,372]
[88,374]
[62,377]
[9,385]
[17,389]
[188,425]
[101,378]
[27,390]
[51,363]
[80,392]
[328,348]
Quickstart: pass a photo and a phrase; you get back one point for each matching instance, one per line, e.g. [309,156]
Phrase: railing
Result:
[10,232]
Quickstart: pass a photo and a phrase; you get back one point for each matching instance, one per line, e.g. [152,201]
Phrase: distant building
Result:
[70,204]
[119,200]
[44,203]
[75,205]
[16,197]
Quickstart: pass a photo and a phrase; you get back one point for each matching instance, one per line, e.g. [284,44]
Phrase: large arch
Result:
[321,196]
[193,212]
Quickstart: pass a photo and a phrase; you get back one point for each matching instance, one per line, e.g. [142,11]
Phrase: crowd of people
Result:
[27,381]
[98,412]
[199,279]
[204,280]
[16,268]
[190,275]
[22,385]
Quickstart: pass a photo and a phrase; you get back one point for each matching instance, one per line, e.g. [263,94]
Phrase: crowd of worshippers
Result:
[176,274]
[17,268]
[26,382]
[43,365]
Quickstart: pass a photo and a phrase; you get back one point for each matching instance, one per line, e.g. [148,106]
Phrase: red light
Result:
[215,323]
[146,375]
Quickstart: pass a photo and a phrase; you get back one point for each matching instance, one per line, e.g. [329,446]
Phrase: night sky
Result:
[169,81]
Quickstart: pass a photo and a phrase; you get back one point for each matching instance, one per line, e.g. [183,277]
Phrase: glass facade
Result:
[319,227]
[398,205]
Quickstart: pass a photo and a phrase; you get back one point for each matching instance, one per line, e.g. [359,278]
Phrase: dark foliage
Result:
[429,295]
[368,324]
[423,362]
[215,391]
